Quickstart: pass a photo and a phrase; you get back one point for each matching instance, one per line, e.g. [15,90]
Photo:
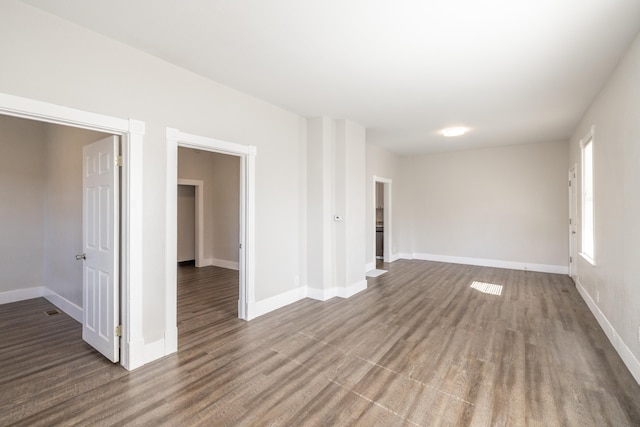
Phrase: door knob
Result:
[81,256]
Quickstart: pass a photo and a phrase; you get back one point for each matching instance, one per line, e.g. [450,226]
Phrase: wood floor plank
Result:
[419,347]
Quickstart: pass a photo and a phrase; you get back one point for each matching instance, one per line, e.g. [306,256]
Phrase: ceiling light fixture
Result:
[455,131]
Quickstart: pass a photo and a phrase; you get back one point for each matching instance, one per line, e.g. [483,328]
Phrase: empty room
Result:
[320,213]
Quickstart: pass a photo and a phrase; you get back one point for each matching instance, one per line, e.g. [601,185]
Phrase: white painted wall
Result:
[335,187]
[320,169]
[22,182]
[63,209]
[221,176]
[506,204]
[615,115]
[73,67]
[349,200]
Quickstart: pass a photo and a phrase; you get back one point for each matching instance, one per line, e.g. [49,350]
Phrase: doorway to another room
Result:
[382,220]
[63,197]
[208,216]
[225,242]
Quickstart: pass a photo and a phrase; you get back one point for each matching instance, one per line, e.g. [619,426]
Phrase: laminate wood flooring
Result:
[419,347]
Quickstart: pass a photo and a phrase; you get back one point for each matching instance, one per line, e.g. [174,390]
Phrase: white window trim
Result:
[588,138]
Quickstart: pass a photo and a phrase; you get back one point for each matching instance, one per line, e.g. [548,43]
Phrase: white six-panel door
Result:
[100,185]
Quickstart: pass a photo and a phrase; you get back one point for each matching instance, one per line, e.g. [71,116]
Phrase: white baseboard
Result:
[134,354]
[258,308]
[320,294]
[403,255]
[370,266]
[154,350]
[21,294]
[336,291]
[64,304]
[543,268]
[352,289]
[625,353]
[395,257]
[223,263]
[170,341]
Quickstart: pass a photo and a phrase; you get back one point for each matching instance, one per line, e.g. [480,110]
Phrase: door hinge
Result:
[118,331]
[119,161]
[569,221]
[570,259]
[569,183]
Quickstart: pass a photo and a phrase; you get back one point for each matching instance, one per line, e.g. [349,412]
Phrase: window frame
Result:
[589,254]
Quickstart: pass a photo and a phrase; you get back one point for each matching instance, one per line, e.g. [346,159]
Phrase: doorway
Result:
[382,199]
[190,201]
[131,134]
[246,235]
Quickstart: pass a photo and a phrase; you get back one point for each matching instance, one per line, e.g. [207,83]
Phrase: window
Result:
[587,248]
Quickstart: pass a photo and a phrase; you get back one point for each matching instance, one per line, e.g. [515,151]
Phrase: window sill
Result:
[588,259]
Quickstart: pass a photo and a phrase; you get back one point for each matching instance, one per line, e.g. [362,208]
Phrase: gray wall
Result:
[504,203]
[41,189]
[63,209]
[221,176]
[22,182]
[615,116]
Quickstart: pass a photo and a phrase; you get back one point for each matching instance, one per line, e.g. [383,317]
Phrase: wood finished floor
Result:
[418,347]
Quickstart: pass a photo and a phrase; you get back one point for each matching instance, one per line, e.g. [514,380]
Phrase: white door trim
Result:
[573,222]
[247,154]
[132,135]
[199,192]
[386,234]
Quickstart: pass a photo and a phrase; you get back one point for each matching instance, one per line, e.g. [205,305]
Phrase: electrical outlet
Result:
[598,297]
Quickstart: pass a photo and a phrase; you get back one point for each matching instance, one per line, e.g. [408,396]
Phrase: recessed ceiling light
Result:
[455,131]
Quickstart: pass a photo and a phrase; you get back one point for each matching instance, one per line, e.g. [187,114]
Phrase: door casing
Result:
[131,132]
[573,222]
[246,265]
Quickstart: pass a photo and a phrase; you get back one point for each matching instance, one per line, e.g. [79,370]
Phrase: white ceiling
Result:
[514,71]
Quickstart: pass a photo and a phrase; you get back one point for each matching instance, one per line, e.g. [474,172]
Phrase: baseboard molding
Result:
[223,263]
[170,341]
[154,350]
[352,289]
[268,305]
[336,291]
[259,308]
[320,294]
[543,268]
[133,354]
[7,297]
[625,353]
[64,304]
[394,257]
[370,266]
[404,255]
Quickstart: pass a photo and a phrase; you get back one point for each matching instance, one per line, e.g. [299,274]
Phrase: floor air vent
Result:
[52,312]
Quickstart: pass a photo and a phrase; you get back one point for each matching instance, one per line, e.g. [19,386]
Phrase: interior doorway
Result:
[382,241]
[208,215]
[245,240]
[62,196]
[131,134]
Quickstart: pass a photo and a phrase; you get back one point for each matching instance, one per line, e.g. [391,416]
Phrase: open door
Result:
[100,283]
